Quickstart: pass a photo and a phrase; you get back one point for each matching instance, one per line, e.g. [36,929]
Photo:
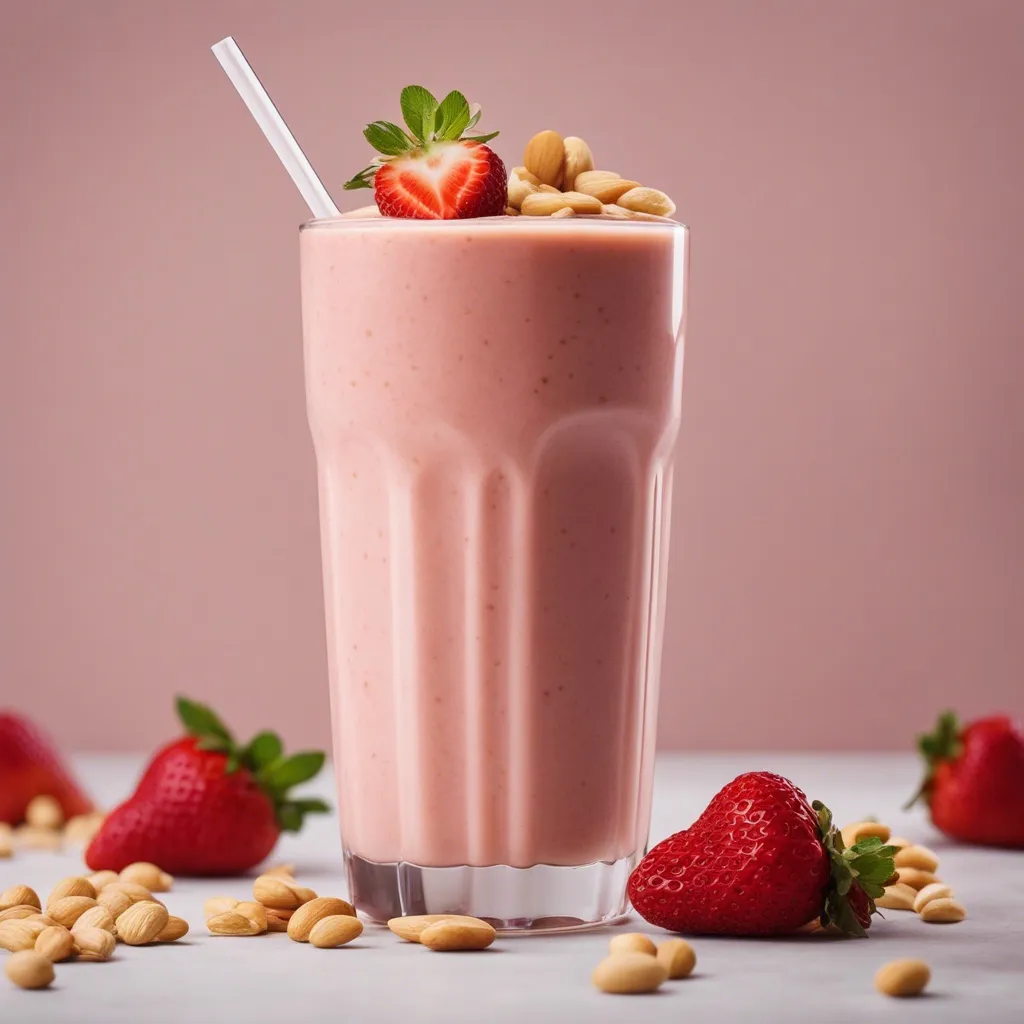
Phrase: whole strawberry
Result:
[206,806]
[760,860]
[974,785]
[31,767]
[433,171]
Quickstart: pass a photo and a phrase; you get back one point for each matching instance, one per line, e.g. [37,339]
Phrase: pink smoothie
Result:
[494,405]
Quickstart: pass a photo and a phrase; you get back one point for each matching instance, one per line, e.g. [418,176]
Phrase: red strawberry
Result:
[30,767]
[204,806]
[431,172]
[974,784]
[760,861]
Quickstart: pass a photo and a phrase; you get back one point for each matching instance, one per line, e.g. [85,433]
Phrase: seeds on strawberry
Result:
[230,923]
[73,886]
[94,944]
[303,920]
[632,942]
[647,200]
[858,830]
[69,909]
[19,895]
[543,204]
[916,878]
[897,897]
[281,893]
[142,922]
[903,978]
[175,929]
[629,973]
[29,969]
[578,159]
[678,958]
[935,891]
[149,876]
[55,943]
[457,936]
[44,812]
[944,910]
[545,157]
[917,857]
[335,930]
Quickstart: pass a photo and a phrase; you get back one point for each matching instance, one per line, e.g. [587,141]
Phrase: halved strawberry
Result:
[431,171]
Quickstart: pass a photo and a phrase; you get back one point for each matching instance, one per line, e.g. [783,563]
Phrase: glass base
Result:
[541,899]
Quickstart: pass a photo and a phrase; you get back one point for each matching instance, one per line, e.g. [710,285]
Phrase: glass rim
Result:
[593,221]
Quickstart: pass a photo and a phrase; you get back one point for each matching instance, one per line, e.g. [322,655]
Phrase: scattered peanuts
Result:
[175,929]
[916,878]
[281,893]
[335,930]
[55,943]
[629,973]
[101,879]
[21,911]
[678,958]
[919,857]
[256,912]
[647,200]
[231,923]
[135,892]
[935,891]
[69,909]
[897,897]
[411,928]
[944,910]
[18,935]
[29,969]
[632,942]
[44,812]
[457,936]
[903,978]
[94,944]
[149,876]
[142,922]
[73,886]
[96,917]
[302,921]
[116,902]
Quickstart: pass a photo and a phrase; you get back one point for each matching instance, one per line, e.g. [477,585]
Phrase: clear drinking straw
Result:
[262,108]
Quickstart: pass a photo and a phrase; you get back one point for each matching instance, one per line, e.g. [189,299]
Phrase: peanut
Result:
[94,944]
[29,969]
[944,910]
[603,185]
[101,879]
[96,917]
[897,897]
[18,935]
[411,928]
[578,160]
[281,893]
[303,920]
[935,891]
[916,878]
[903,978]
[149,876]
[335,930]
[19,895]
[44,812]
[135,892]
[55,943]
[142,922]
[68,910]
[580,203]
[175,929]
[457,936]
[545,157]
[632,942]
[116,902]
[230,923]
[858,830]
[629,973]
[73,886]
[919,857]
[19,913]
[542,204]
[256,912]
[678,958]
[647,200]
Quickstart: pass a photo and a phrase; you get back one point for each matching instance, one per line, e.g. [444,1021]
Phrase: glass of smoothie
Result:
[494,404]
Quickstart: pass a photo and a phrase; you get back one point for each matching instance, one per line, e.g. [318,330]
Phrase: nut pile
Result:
[635,965]
[46,829]
[558,179]
[84,917]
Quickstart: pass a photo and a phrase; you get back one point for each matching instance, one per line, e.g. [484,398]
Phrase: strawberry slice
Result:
[433,171]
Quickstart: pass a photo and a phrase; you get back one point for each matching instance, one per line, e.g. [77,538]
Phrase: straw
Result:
[262,108]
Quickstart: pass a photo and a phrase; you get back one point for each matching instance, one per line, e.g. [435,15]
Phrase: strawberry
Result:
[760,860]
[204,805]
[31,767]
[433,171]
[974,784]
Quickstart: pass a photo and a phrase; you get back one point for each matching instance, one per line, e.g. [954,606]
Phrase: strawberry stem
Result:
[941,744]
[263,757]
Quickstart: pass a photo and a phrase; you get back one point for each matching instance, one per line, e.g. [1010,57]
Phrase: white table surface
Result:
[978,965]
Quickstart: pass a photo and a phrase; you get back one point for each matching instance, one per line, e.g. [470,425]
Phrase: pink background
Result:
[848,552]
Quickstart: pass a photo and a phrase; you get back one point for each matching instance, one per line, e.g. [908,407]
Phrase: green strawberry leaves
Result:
[941,744]
[263,758]
[428,122]
[868,863]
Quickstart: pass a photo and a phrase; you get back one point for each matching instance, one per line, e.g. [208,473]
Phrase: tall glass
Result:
[494,405]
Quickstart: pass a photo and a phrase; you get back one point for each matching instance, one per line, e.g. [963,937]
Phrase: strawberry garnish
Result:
[760,860]
[974,780]
[206,805]
[433,171]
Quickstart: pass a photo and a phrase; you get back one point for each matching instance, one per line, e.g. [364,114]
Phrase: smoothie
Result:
[494,404]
